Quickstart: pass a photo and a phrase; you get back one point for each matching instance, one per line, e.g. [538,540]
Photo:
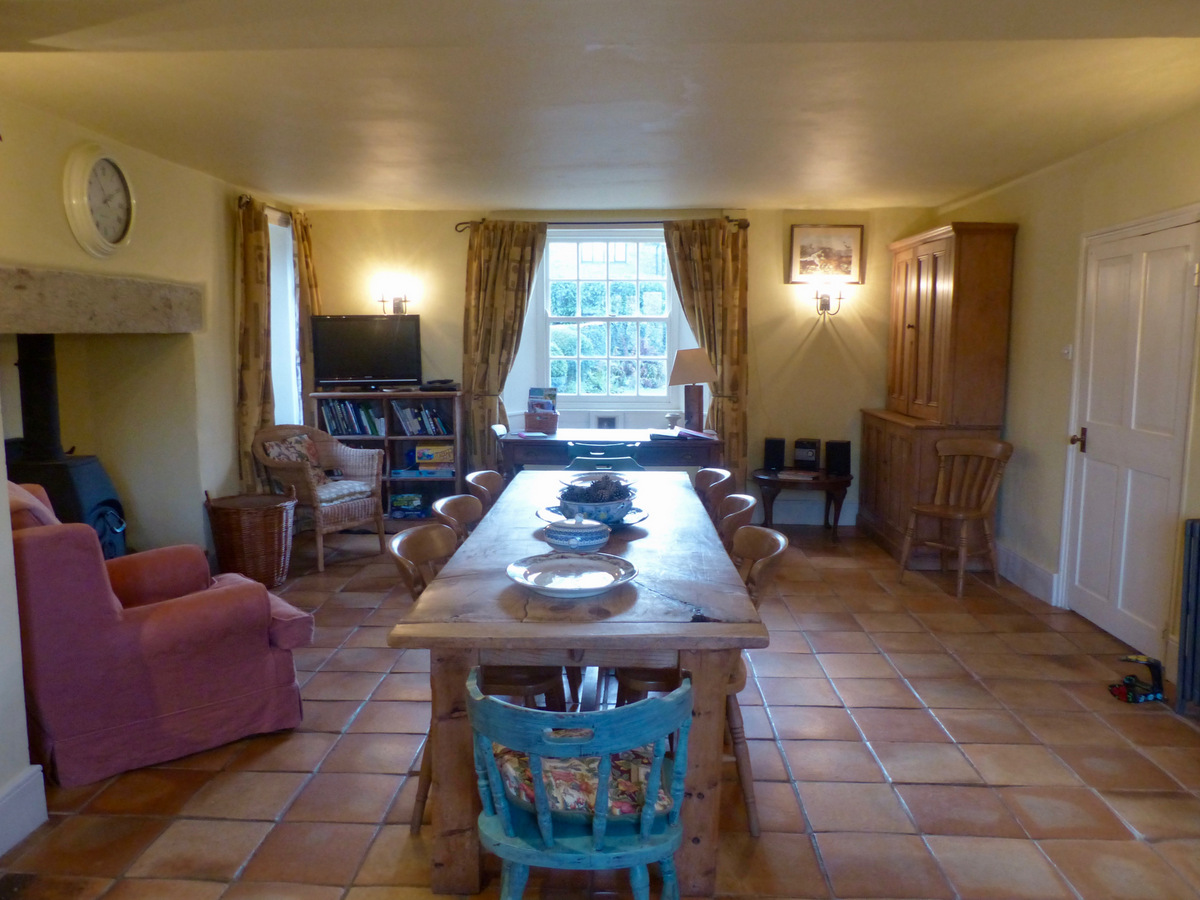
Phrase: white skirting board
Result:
[1028,576]
[22,807]
[807,508]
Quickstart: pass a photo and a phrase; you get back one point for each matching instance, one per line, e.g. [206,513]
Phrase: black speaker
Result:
[837,458]
[773,454]
[807,454]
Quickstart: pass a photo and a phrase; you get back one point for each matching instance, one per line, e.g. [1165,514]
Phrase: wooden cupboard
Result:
[948,342]
[947,367]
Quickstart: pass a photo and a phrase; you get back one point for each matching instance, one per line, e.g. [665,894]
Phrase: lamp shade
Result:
[692,367]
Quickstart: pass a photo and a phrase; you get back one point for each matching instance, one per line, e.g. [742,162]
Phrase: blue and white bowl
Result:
[611,513]
[578,534]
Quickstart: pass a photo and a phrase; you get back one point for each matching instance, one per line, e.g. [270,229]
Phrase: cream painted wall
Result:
[351,248]
[810,377]
[14,738]
[1140,175]
[157,409]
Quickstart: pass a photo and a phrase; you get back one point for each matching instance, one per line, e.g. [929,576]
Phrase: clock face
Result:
[109,200]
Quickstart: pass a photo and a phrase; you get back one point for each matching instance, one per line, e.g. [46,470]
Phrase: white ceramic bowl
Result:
[577,534]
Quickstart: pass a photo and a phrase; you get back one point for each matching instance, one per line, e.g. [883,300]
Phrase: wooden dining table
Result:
[686,606]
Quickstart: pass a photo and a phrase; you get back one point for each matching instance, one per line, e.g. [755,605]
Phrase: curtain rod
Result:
[740,223]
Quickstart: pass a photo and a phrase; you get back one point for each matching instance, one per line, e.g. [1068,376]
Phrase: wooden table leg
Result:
[769,493]
[835,498]
[696,860]
[454,798]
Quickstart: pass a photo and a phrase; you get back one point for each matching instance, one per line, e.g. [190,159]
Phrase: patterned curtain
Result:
[308,298]
[502,258]
[709,265]
[252,284]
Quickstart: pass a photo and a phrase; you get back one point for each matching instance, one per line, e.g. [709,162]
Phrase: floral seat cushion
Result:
[298,448]
[571,782]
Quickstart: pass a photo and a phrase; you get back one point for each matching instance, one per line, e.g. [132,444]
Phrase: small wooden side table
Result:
[771,481]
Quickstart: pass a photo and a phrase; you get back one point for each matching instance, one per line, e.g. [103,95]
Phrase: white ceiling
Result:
[606,104]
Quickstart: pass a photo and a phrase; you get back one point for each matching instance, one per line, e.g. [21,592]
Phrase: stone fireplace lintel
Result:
[43,301]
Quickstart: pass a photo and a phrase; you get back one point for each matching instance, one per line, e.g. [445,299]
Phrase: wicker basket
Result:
[546,422]
[253,534]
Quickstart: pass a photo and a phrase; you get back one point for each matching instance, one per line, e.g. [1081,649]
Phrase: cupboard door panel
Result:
[903,332]
[934,311]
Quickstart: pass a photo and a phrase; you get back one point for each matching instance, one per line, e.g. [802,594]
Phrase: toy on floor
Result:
[1133,690]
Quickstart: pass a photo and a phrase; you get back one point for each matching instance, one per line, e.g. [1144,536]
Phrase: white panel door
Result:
[1134,391]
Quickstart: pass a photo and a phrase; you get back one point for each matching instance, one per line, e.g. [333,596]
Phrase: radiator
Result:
[1188,682]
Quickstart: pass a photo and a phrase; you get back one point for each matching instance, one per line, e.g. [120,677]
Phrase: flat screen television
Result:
[366,351]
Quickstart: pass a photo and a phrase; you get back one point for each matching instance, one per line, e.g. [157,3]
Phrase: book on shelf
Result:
[359,417]
[419,419]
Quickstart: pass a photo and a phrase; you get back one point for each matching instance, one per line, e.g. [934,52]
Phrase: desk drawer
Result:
[584,658]
[539,455]
[673,453]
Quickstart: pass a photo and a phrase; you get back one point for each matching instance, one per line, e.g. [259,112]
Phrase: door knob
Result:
[1080,439]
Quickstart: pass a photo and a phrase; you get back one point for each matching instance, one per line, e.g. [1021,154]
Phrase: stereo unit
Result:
[837,458]
[807,454]
[773,454]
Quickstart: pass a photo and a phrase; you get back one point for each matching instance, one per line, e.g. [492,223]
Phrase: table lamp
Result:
[692,369]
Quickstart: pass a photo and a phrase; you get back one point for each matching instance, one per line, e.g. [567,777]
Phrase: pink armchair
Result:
[144,658]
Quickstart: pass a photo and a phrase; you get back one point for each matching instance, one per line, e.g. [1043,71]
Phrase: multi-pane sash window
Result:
[609,304]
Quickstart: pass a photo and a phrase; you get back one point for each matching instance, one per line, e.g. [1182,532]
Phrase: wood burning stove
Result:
[79,488]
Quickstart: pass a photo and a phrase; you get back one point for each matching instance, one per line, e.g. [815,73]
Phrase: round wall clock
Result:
[99,200]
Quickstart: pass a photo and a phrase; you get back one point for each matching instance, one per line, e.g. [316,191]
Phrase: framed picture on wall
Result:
[826,253]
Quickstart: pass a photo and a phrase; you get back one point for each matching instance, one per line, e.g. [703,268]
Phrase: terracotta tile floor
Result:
[905,744]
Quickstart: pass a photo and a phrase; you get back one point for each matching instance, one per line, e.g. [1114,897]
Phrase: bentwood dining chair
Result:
[582,790]
[713,484]
[757,552]
[734,511]
[419,553]
[486,484]
[460,511]
[969,471]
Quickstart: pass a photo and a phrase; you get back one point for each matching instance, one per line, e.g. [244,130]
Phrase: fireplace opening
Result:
[78,486]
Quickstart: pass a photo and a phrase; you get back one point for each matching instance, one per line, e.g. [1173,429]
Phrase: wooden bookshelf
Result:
[420,432]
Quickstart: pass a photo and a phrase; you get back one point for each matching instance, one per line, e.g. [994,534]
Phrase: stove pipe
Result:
[38,370]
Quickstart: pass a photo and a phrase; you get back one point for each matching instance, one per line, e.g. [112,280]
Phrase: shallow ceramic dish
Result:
[557,514]
[578,534]
[567,576]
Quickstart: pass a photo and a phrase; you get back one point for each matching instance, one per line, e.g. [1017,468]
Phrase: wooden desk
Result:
[551,450]
[771,481]
[687,606]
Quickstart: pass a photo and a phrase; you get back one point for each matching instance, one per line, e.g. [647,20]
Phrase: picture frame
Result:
[826,254]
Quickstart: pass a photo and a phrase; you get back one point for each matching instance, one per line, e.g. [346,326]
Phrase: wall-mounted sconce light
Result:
[400,305]
[825,302]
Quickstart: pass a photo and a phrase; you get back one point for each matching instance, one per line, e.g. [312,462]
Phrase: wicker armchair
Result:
[301,457]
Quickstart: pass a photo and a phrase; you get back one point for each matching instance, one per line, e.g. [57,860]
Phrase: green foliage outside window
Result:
[623,284]
[564,298]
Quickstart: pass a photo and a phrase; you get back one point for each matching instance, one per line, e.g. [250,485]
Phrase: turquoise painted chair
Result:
[569,790]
